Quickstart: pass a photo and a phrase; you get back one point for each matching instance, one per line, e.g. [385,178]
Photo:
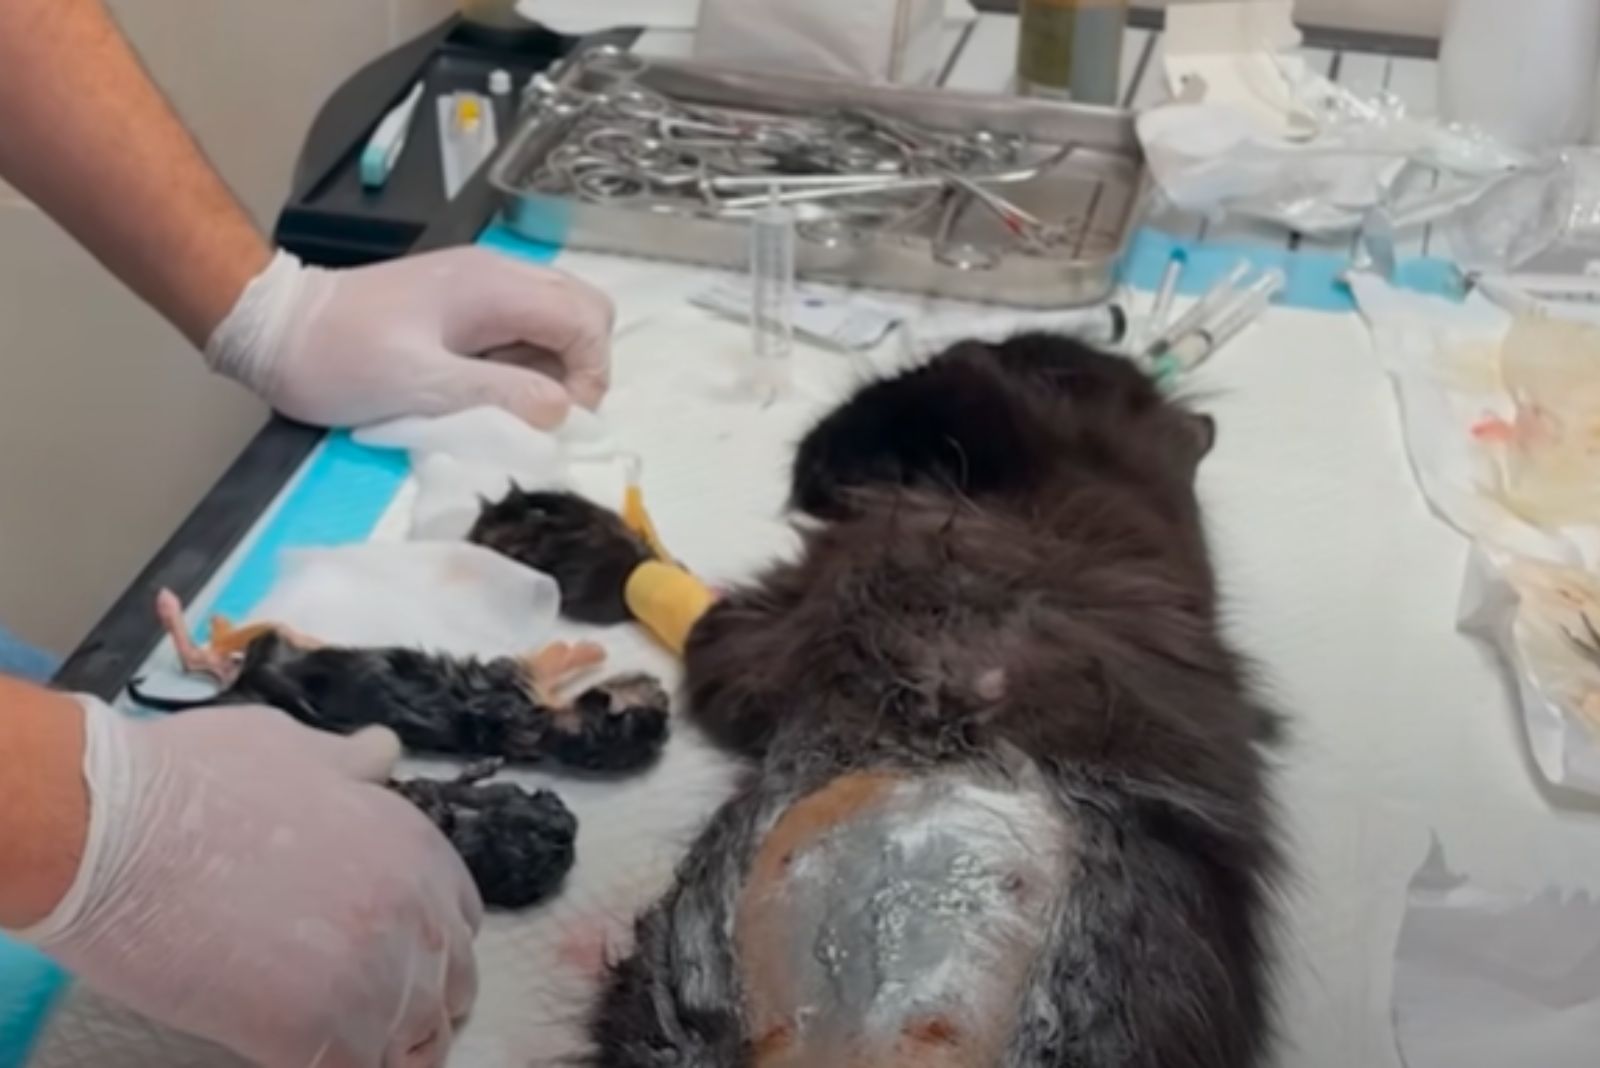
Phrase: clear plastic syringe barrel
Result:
[772,254]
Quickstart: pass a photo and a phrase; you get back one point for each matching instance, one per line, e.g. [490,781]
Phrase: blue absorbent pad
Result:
[30,986]
[338,499]
[23,661]
[1315,279]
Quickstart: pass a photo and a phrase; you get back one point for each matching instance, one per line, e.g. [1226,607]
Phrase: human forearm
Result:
[87,136]
[44,806]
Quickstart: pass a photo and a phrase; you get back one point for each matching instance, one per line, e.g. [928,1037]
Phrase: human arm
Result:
[87,136]
[44,808]
[235,875]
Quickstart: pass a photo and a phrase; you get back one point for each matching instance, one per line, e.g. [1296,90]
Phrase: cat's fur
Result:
[1010,568]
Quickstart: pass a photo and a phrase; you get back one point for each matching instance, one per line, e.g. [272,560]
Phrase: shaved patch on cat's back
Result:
[894,920]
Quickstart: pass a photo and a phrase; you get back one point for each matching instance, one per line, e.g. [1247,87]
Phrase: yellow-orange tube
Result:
[668,600]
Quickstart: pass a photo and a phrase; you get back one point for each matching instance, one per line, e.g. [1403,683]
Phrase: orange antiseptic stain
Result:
[774,1042]
[1494,431]
[764,923]
[932,1031]
[813,816]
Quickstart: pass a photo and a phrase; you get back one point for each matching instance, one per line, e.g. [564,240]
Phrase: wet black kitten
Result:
[517,845]
[1010,592]
[585,548]
[455,706]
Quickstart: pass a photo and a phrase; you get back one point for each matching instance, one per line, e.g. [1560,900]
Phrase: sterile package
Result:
[1502,421]
[1253,131]
[862,40]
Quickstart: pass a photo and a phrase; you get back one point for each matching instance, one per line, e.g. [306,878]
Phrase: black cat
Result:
[1008,802]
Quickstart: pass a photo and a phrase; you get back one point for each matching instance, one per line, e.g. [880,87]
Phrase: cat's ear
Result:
[1188,439]
[1202,431]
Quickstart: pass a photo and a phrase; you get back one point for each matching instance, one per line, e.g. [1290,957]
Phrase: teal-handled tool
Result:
[388,141]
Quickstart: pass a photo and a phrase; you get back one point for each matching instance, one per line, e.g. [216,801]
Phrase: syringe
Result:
[1199,312]
[772,254]
[1220,325]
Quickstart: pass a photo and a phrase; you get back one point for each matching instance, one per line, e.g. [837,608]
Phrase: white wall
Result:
[110,429]
[1422,17]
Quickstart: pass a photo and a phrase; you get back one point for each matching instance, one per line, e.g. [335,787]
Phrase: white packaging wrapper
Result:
[1532,585]
[861,40]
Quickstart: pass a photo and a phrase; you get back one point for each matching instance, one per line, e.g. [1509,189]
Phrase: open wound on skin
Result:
[890,920]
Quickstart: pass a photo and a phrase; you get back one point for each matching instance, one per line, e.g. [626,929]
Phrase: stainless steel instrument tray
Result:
[1099,190]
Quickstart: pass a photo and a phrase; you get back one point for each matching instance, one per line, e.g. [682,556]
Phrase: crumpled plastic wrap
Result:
[1254,132]
[1216,157]
[1502,423]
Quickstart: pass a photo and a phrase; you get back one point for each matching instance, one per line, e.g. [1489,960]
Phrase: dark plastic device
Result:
[330,219]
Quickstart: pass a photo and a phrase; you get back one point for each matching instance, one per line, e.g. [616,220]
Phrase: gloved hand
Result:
[245,881]
[349,347]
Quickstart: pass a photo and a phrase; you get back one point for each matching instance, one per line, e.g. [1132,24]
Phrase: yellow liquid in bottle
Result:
[1072,49]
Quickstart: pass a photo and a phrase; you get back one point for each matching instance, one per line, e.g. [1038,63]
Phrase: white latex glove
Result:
[244,880]
[357,346]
